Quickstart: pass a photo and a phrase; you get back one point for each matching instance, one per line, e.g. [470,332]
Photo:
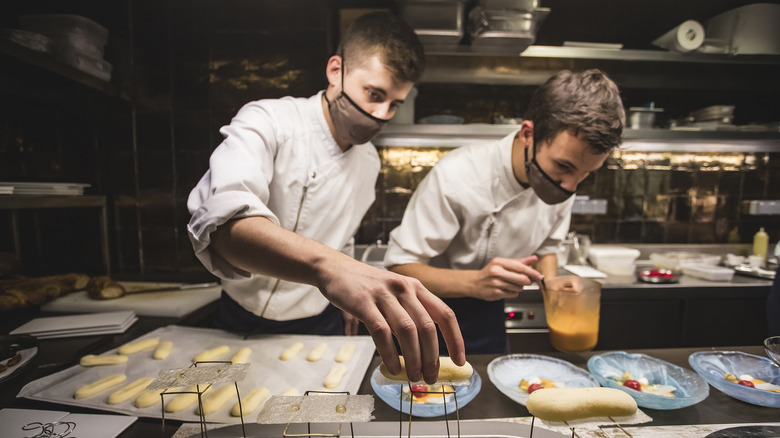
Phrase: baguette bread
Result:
[566,404]
[448,371]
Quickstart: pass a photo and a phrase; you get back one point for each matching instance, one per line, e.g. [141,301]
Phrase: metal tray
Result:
[388,429]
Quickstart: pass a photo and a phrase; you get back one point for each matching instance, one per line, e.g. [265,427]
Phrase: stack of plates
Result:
[78,325]
[42,188]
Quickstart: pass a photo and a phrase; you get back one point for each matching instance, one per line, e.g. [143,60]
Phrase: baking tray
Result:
[265,370]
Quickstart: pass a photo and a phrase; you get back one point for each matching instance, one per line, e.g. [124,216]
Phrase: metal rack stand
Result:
[574,433]
[285,434]
[199,392]
[443,393]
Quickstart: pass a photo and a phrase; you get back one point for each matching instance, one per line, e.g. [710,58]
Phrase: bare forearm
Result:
[548,265]
[257,245]
[444,283]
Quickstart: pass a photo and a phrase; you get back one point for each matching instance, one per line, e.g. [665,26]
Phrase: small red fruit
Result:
[533,387]
[747,383]
[419,390]
[633,384]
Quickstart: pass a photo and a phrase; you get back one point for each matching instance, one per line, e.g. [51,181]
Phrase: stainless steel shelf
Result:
[603,54]
[645,69]
[650,140]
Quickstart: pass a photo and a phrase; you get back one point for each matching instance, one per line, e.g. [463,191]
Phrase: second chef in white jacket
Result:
[485,214]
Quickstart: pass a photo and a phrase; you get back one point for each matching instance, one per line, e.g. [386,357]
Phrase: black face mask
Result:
[350,121]
[545,188]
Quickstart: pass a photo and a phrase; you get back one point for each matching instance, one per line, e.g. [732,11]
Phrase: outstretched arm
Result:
[387,303]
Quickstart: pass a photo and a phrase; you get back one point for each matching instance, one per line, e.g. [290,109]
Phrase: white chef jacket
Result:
[279,160]
[470,208]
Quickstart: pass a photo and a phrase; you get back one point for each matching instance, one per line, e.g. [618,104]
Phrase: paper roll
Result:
[686,37]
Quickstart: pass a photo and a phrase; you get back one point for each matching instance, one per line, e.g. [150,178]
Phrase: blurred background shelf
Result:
[14,55]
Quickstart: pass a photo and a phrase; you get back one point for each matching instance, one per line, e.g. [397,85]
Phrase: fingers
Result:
[510,278]
[350,324]
[523,266]
[380,332]
[425,340]
[400,313]
[448,325]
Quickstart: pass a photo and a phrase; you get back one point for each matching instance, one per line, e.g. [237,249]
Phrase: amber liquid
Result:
[574,334]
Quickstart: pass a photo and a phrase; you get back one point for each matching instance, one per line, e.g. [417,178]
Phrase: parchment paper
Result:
[266,370]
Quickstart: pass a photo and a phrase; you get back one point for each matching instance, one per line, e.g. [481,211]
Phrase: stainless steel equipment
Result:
[420,429]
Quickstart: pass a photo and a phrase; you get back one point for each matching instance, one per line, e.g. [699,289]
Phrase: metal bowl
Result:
[772,347]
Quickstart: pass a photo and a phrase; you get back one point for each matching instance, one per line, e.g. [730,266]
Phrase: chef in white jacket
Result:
[286,191]
[487,214]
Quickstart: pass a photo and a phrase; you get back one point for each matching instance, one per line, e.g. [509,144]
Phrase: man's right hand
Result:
[503,278]
[391,304]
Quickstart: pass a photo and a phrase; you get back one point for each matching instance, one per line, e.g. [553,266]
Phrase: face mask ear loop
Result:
[343,65]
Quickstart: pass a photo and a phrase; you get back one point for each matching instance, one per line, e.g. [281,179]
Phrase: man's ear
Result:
[333,71]
[526,133]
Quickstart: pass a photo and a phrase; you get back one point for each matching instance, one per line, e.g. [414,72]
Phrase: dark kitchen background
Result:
[181,70]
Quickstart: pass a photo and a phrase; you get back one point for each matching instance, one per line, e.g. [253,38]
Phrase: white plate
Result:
[506,372]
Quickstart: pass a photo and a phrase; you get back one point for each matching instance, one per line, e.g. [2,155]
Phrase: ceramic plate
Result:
[506,372]
[16,353]
[390,394]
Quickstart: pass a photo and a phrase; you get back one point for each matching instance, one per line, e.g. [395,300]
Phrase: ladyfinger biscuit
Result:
[448,371]
[242,355]
[149,398]
[92,360]
[290,392]
[316,353]
[216,399]
[213,354]
[163,350]
[182,401]
[566,404]
[334,376]
[250,402]
[129,391]
[99,386]
[135,347]
[290,352]
[345,353]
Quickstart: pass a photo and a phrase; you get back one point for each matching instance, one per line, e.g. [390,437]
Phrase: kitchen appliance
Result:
[747,30]
[525,317]
[643,117]
[505,23]
[436,22]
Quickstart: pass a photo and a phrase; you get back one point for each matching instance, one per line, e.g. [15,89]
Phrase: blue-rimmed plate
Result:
[714,365]
[506,372]
[390,394]
[689,387]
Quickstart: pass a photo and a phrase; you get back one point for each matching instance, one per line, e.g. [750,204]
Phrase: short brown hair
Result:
[386,35]
[586,103]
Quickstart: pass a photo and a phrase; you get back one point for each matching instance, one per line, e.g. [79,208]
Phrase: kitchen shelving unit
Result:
[14,203]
